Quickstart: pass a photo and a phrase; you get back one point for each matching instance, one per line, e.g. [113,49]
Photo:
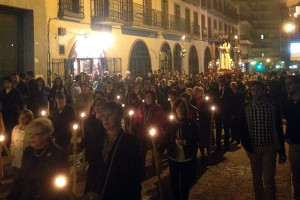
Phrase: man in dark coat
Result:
[223,98]
[63,119]
[21,86]
[12,104]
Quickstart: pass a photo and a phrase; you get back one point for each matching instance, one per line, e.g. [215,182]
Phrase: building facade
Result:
[61,37]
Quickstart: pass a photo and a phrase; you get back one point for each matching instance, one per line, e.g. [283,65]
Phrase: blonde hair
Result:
[42,124]
[28,114]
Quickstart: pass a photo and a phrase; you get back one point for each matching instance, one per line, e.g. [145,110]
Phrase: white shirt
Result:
[19,141]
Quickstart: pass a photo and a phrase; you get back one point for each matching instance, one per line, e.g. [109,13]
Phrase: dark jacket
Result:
[224,103]
[63,125]
[38,173]
[246,135]
[124,180]
[291,113]
[189,134]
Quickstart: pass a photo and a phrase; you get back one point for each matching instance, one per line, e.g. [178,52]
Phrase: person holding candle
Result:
[115,163]
[42,162]
[180,141]
[20,139]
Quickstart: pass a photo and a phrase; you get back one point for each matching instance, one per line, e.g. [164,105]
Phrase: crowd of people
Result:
[120,113]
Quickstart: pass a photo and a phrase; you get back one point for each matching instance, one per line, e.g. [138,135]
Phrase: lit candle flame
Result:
[75,126]
[171,117]
[118,97]
[207,98]
[43,113]
[213,108]
[123,105]
[143,100]
[2,138]
[169,99]
[60,182]
[152,131]
[131,112]
[82,114]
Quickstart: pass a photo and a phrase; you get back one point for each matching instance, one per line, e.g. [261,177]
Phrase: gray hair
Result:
[42,124]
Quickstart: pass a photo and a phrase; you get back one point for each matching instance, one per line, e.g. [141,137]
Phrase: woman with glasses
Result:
[43,162]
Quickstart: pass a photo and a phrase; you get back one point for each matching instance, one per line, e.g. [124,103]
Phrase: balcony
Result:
[203,4]
[143,17]
[108,12]
[195,29]
[204,34]
[71,10]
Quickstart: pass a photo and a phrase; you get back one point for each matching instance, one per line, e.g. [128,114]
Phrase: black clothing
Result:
[24,89]
[12,105]
[124,180]
[38,173]
[291,113]
[63,125]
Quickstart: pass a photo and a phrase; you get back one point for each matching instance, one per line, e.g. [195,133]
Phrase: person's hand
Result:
[179,142]
[282,158]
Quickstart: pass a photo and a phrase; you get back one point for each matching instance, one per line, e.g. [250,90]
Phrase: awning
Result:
[290,3]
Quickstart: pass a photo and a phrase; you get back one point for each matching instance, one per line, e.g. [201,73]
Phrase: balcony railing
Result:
[203,4]
[113,10]
[71,9]
[195,29]
[204,33]
[145,17]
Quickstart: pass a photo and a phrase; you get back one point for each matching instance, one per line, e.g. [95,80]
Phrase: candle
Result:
[171,117]
[207,98]
[60,181]
[118,97]
[213,108]
[131,112]
[43,113]
[2,138]
[152,132]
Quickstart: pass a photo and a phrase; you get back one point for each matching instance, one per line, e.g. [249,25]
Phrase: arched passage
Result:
[140,62]
[207,59]
[177,58]
[165,59]
[193,61]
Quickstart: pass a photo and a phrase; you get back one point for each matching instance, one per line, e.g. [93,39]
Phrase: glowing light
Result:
[213,108]
[171,117]
[60,181]
[236,37]
[183,37]
[75,126]
[289,27]
[169,99]
[131,112]
[277,66]
[123,105]
[268,60]
[207,98]
[82,114]
[118,97]
[152,131]
[43,113]
[143,100]
[2,138]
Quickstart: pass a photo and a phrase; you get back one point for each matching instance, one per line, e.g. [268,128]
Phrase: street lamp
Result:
[289,27]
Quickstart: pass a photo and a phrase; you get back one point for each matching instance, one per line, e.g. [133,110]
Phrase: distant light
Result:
[207,98]
[152,132]
[253,63]
[144,100]
[294,66]
[277,66]
[12,45]
[217,62]
[236,37]
[118,97]
[123,105]
[262,37]
[295,15]
[183,37]
[289,27]
[82,114]
[282,62]
[131,112]
[60,181]
[213,108]
[293,74]
[262,54]
[43,113]
[2,138]
[171,117]
[268,60]
[75,126]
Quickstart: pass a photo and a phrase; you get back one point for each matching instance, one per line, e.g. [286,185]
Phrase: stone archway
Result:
[177,58]
[140,62]
[165,59]
[207,59]
[193,61]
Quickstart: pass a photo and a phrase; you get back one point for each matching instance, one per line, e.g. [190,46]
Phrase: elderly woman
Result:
[180,142]
[42,163]
[115,162]
[19,138]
